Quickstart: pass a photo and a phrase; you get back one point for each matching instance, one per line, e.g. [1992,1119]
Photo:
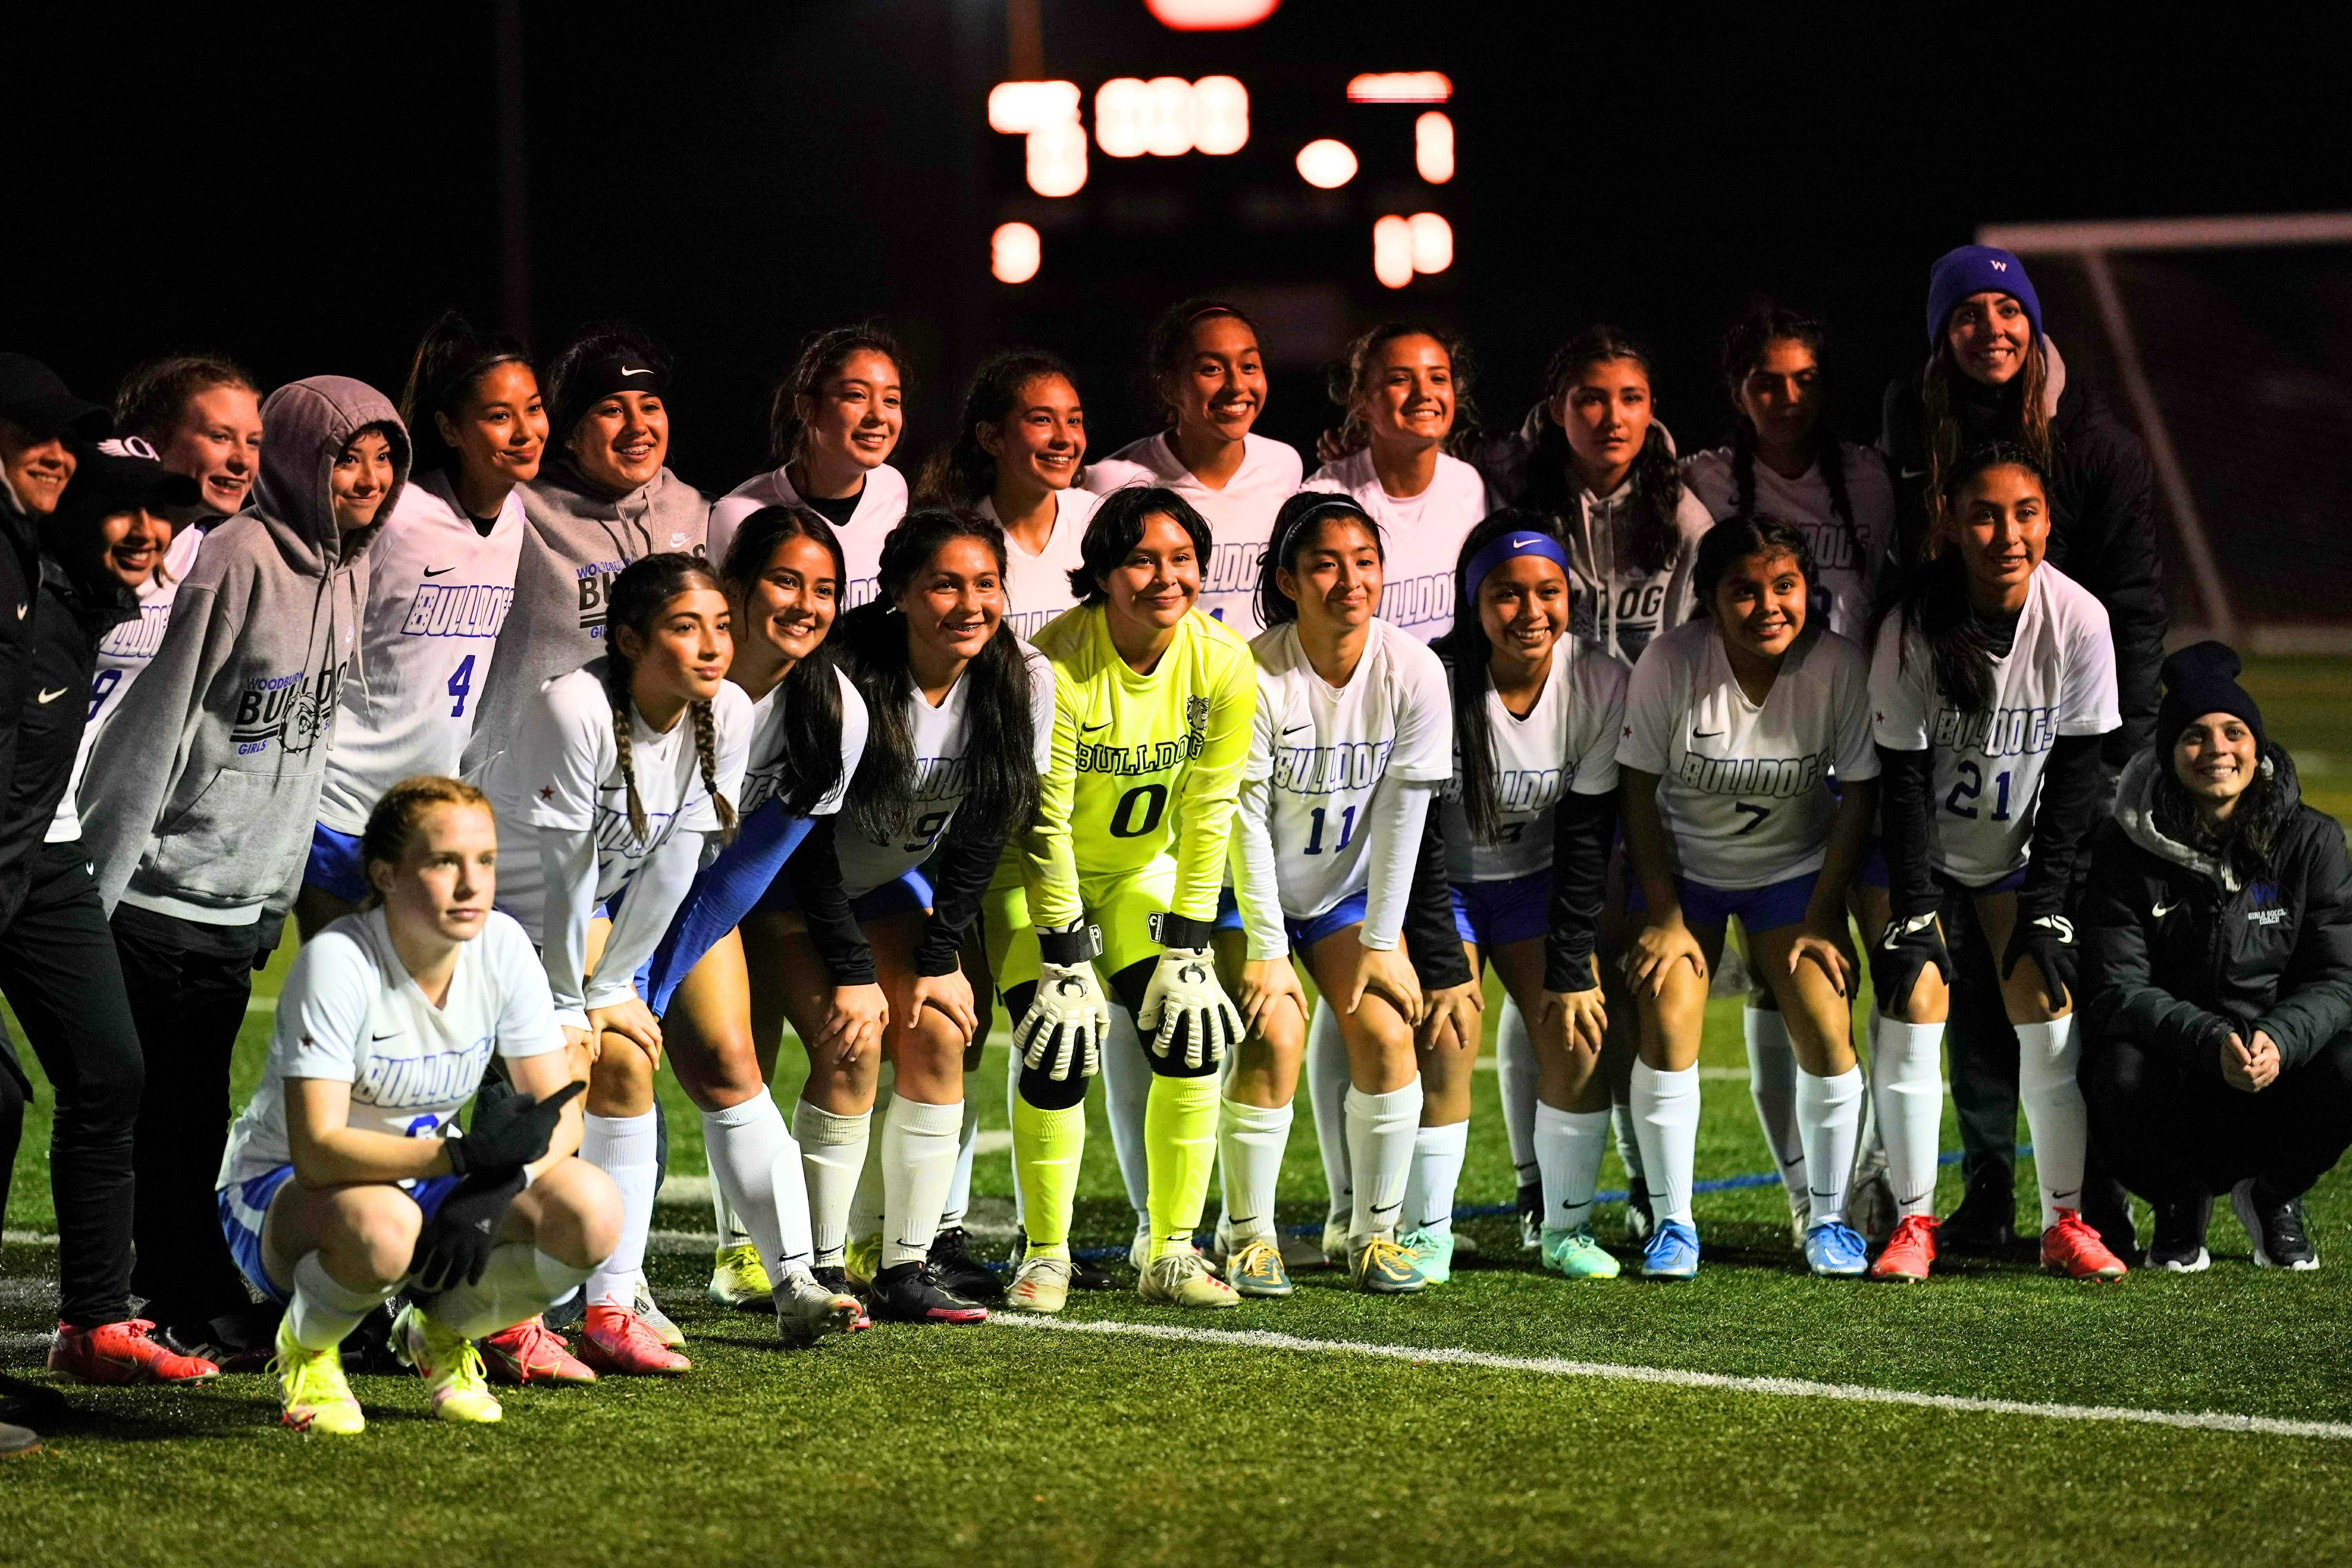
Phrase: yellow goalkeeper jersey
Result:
[1144,765]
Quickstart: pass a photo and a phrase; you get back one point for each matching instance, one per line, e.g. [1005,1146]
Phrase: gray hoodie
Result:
[576,537]
[203,789]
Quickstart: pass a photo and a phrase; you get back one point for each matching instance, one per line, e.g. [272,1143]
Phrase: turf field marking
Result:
[1676,1377]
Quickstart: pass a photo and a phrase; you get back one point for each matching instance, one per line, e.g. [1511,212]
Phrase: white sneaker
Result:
[1181,1278]
[1041,1284]
[648,1312]
[807,1312]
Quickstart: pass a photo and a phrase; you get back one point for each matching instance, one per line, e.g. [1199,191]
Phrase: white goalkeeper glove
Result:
[1183,1005]
[1063,1030]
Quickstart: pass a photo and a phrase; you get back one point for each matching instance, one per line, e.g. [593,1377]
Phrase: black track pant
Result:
[2175,1130]
[189,984]
[57,969]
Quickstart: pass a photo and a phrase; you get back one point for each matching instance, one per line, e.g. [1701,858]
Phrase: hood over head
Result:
[304,426]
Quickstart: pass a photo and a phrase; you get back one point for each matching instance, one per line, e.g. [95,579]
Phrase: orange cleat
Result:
[2072,1248]
[1909,1251]
[530,1352]
[123,1353]
[617,1340]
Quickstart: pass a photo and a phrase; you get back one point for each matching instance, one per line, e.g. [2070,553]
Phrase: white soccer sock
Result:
[1772,1085]
[833,1153]
[324,1310]
[1250,1141]
[2054,1115]
[1437,1155]
[742,1144]
[1568,1147]
[1381,1129]
[1665,1123]
[958,1202]
[1127,1090]
[1906,1082]
[1515,1079]
[519,1282]
[867,1200]
[1629,1140]
[1012,1099]
[723,1219]
[624,1147]
[1326,1094]
[1829,1118]
[918,1159]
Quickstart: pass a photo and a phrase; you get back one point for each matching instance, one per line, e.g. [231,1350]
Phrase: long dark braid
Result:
[636,599]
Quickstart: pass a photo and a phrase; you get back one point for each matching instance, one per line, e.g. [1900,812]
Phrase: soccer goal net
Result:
[2227,343]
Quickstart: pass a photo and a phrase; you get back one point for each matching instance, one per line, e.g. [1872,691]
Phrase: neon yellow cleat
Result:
[862,1259]
[1181,1278]
[1042,1283]
[312,1392]
[450,1366]
[740,1280]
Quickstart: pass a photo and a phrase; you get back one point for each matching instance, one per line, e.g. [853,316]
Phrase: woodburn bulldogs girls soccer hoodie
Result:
[203,791]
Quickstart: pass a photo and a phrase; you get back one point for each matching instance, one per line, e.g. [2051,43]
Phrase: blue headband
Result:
[1504,547]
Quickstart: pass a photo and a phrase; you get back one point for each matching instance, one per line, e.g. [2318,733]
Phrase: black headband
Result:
[603,377]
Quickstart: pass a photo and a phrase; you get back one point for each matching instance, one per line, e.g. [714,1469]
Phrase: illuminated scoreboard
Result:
[1072,139]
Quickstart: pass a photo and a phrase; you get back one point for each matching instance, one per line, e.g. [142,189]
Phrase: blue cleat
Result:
[1672,1253]
[1836,1251]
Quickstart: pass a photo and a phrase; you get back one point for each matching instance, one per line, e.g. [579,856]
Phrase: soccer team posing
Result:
[1130,745]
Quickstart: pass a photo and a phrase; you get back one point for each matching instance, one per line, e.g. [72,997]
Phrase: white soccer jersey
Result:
[880,505]
[1847,558]
[564,771]
[350,1011]
[1744,787]
[2057,679]
[942,738]
[1421,536]
[1324,749]
[1240,516]
[764,769]
[438,590]
[1037,587]
[1566,743]
[123,653]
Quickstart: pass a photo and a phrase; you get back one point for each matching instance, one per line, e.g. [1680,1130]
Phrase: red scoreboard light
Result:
[1211,15]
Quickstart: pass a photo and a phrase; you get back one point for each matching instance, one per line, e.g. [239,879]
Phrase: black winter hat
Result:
[2198,679]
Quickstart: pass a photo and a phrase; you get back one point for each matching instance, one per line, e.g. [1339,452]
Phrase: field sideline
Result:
[1753,1415]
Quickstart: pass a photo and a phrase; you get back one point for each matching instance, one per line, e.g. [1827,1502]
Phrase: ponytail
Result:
[962,473]
[448,365]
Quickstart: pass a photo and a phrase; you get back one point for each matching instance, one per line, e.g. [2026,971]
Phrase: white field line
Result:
[1675,1377]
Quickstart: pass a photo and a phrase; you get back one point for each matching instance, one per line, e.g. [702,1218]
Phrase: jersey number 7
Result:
[1754,814]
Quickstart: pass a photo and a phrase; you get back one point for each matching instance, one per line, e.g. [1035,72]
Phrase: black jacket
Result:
[2177,957]
[73,614]
[2103,523]
[20,577]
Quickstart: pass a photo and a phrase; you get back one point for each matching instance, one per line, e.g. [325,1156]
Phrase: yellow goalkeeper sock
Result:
[1046,1147]
[1179,1146]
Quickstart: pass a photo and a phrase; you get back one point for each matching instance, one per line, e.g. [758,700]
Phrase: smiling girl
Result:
[203,415]
[441,576]
[1206,369]
[1994,688]
[1734,724]
[623,769]
[835,420]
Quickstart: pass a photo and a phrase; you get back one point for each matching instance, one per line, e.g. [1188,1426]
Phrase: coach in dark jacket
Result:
[1993,374]
[2217,933]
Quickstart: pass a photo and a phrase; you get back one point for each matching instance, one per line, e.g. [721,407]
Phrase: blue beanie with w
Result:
[1974,270]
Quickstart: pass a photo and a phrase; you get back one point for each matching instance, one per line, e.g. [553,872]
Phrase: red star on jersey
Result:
[547,791]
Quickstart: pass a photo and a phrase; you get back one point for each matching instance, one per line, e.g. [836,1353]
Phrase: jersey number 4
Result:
[1969,785]
[461,681]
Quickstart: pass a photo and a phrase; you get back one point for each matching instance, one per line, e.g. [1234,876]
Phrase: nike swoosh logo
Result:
[626,370]
[1521,543]
[1915,473]
[1295,728]
[1090,729]
[1702,734]
[431,572]
[53,696]
[393,1036]
[2155,911]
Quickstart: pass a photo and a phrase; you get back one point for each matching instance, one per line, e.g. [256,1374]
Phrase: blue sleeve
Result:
[724,891]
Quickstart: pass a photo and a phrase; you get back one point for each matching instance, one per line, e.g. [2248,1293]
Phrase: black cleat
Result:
[1530,1216]
[2275,1226]
[961,1274]
[2179,1246]
[1985,1224]
[910,1293]
[837,1278]
[1640,1223]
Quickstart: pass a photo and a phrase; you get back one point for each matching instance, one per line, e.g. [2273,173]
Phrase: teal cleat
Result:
[1577,1255]
[1432,1253]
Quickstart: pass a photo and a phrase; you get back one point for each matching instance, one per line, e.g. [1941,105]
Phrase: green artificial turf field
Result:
[1505,1417]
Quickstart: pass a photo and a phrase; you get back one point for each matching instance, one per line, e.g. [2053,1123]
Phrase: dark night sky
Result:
[308,189]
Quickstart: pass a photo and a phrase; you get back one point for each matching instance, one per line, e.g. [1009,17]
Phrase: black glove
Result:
[509,1130]
[2049,941]
[455,1246]
[270,932]
[1902,955]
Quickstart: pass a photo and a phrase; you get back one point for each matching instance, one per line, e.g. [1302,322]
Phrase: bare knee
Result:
[372,1230]
[579,1221]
